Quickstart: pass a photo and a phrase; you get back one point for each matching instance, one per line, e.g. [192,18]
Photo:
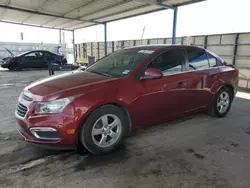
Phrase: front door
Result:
[165,98]
[33,60]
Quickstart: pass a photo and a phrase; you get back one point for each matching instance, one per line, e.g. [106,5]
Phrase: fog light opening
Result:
[45,133]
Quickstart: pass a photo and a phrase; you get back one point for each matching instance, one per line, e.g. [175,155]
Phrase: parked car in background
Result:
[130,89]
[32,59]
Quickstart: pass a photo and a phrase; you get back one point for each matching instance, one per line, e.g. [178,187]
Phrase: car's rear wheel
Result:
[222,102]
[104,130]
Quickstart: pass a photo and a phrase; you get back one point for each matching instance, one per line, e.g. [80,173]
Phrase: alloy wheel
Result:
[223,102]
[106,130]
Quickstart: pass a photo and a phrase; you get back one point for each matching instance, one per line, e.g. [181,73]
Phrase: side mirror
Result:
[151,74]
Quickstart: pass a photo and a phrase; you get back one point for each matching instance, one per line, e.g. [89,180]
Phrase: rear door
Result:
[165,98]
[201,75]
[53,58]
[33,60]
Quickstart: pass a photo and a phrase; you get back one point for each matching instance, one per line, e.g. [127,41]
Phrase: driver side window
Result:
[169,62]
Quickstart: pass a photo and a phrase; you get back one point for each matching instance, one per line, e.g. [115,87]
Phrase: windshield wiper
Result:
[100,73]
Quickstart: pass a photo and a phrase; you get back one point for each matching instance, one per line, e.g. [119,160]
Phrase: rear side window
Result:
[212,60]
[197,59]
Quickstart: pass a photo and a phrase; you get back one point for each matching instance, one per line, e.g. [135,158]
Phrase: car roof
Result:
[39,51]
[161,46]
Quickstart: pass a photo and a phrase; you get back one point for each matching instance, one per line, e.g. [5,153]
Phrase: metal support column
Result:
[105,40]
[60,36]
[174,25]
[175,9]
[205,42]
[235,48]
[73,42]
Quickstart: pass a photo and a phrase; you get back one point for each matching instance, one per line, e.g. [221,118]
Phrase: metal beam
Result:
[77,8]
[174,26]
[45,14]
[30,25]
[131,9]
[81,6]
[38,9]
[190,2]
[104,9]
[120,12]
[164,5]
[105,40]
[74,48]
[3,13]
[69,24]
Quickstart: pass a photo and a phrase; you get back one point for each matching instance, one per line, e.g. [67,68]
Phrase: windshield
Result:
[120,63]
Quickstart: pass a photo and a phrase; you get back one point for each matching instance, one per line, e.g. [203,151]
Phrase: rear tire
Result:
[104,130]
[221,103]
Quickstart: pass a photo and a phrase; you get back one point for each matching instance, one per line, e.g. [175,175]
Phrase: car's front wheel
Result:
[222,102]
[15,67]
[104,130]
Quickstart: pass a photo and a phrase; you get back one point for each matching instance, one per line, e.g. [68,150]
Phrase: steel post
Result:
[105,40]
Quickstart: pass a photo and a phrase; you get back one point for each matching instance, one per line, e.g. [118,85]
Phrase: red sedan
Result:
[130,89]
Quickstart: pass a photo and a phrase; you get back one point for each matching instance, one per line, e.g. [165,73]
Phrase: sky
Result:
[209,17]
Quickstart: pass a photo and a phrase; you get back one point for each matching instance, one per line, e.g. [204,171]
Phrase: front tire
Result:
[104,130]
[221,102]
[14,67]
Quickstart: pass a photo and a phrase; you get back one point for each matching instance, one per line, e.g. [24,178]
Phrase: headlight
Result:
[53,107]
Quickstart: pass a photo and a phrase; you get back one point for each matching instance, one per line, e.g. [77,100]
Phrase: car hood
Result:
[12,55]
[7,58]
[65,83]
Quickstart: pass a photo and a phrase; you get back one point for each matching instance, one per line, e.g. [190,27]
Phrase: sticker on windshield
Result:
[146,51]
[126,72]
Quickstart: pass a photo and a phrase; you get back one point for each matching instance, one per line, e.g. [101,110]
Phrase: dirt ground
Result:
[195,152]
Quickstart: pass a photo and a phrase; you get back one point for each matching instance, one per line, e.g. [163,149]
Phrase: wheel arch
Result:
[227,86]
[215,89]
[117,104]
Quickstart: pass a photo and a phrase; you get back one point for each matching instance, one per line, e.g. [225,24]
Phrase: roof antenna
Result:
[143,31]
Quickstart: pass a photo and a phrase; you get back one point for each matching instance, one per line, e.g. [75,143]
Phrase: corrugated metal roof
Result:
[76,14]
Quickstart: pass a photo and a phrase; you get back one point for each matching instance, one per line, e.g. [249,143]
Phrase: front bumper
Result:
[5,65]
[59,123]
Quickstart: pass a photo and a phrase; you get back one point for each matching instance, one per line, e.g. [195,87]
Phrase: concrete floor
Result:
[194,152]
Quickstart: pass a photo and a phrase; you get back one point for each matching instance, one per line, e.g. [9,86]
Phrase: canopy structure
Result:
[76,14]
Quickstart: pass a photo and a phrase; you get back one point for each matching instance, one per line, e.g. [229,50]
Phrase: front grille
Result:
[25,97]
[21,110]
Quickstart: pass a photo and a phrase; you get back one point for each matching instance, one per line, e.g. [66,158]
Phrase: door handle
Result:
[182,84]
[214,77]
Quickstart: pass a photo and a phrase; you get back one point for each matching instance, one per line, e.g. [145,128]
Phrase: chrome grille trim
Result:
[27,98]
[23,102]
[21,110]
